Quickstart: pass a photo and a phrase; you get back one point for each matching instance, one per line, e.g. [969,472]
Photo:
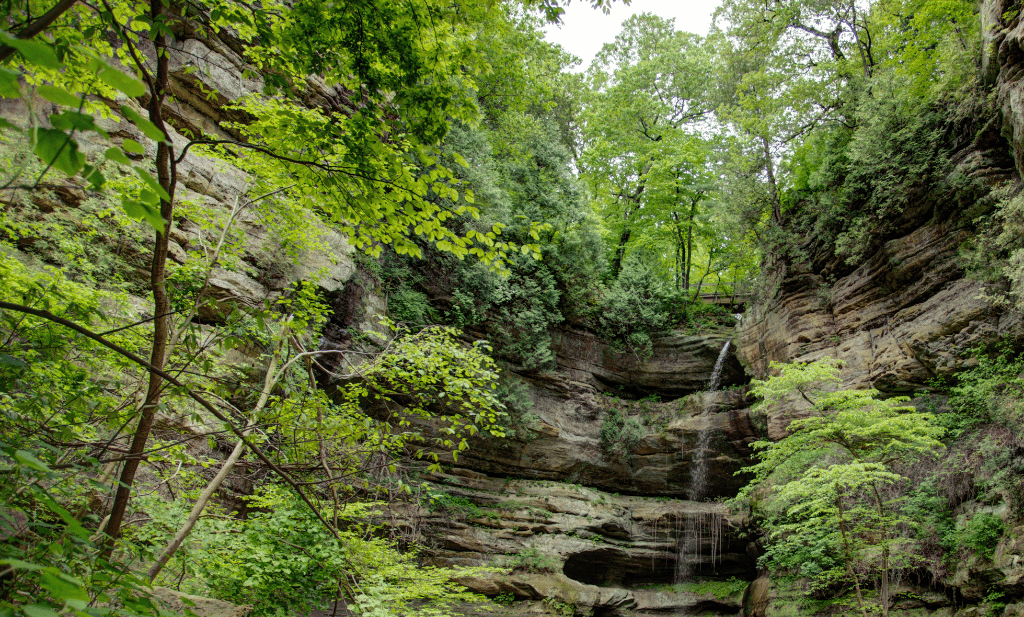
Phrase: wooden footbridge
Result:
[736,302]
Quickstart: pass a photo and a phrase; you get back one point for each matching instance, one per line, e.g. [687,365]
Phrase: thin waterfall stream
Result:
[703,525]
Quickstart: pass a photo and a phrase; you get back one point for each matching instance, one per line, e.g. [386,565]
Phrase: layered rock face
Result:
[567,444]
[609,523]
[907,314]
[580,546]
[680,363]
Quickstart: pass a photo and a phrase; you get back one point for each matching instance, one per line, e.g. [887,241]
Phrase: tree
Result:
[814,91]
[828,480]
[645,159]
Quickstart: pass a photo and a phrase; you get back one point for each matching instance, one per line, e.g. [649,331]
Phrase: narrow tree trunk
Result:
[773,187]
[197,509]
[884,599]
[689,244]
[680,256]
[620,253]
[161,303]
[849,556]
[680,251]
[700,283]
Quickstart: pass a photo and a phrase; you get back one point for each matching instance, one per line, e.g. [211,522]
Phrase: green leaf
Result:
[59,96]
[130,145]
[94,176]
[18,564]
[141,211]
[73,525]
[28,459]
[124,83]
[9,86]
[12,361]
[63,589]
[146,126]
[152,183]
[33,52]
[36,610]
[73,120]
[149,198]
[56,148]
[113,154]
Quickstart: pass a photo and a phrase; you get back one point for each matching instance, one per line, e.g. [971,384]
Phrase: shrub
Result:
[456,505]
[620,434]
[409,306]
[515,396]
[992,391]
[981,534]
[633,308]
[532,560]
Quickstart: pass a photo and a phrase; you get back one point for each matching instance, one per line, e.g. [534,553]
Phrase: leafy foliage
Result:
[981,534]
[620,434]
[530,559]
[831,511]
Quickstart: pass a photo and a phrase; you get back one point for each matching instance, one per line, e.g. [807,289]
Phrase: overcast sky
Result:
[585,30]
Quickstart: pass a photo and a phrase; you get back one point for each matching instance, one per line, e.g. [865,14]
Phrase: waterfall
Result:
[716,374]
[704,525]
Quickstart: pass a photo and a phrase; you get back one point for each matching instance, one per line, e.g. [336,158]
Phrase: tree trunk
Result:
[161,303]
[884,587]
[620,252]
[689,243]
[680,252]
[773,187]
[700,283]
[197,509]
[849,556]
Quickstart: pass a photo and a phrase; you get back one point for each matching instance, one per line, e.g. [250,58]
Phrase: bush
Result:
[515,396]
[532,560]
[633,308]
[457,505]
[993,391]
[981,534]
[620,435]
[410,307]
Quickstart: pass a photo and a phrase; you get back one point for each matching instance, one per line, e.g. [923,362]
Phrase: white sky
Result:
[585,30]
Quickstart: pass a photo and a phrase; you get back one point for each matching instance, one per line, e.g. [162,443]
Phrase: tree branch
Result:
[37,26]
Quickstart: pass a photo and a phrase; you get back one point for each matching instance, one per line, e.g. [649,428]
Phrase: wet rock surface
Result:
[579,546]
[680,362]
[565,442]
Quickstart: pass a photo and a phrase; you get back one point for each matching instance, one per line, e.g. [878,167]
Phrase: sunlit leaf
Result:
[56,148]
[59,96]
[34,52]
[144,125]
[28,459]
[114,154]
[124,83]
